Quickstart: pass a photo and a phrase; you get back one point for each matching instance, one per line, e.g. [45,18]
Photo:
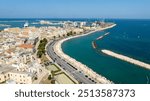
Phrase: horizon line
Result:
[74,18]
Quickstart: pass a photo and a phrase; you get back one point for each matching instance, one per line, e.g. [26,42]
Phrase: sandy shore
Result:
[127,59]
[98,78]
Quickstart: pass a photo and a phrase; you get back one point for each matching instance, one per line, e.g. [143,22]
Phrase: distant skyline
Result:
[131,9]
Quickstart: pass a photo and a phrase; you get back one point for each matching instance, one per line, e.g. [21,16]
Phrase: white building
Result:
[8,73]
[82,24]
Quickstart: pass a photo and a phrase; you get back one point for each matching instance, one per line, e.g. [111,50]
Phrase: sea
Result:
[131,37]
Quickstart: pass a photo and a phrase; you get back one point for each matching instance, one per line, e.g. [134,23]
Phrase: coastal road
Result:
[78,75]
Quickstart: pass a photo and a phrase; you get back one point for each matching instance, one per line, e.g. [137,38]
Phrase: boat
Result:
[26,24]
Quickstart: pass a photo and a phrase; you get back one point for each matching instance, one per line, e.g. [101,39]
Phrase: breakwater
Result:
[94,45]
[98,78]
[127,59]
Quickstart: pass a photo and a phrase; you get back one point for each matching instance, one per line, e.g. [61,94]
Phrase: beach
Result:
[79,65]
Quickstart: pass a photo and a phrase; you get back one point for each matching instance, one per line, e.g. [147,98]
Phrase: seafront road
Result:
[77,74]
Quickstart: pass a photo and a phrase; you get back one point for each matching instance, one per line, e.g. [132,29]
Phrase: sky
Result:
[138,9]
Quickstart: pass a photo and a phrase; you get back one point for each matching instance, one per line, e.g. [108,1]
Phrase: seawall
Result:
[79,65]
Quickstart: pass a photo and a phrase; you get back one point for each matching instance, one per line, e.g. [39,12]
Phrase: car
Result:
[86,76]
[93,81]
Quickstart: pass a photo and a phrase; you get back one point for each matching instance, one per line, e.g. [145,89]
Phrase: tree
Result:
[41,48]
[54,37]
[41,41]
[52,81]
[35,78]
[39,54]
[64,35]
[49,77]
[45,40]
[68,34]
[74,33]
[59,36]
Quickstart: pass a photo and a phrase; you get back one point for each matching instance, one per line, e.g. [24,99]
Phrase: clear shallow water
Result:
[129,37]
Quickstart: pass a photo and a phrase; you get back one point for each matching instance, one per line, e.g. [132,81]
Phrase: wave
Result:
[4,25]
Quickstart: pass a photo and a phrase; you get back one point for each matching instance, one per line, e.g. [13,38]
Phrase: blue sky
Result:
[75,9]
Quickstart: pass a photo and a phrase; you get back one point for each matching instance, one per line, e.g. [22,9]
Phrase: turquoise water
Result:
[129,37]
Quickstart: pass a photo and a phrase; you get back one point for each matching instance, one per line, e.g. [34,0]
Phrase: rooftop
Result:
[26,46]
[5,68]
